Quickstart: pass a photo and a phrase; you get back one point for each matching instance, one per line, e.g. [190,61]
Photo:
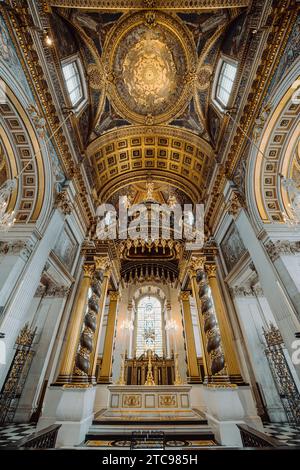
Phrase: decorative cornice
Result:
[18,247]
[282,247]
[63,202]
[146,4]
[235,204]
[52,291]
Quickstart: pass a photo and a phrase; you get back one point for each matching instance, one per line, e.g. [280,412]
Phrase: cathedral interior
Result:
[149,223]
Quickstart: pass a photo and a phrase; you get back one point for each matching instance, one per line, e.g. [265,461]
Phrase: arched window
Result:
[149,326]
[74,80]
[225,82]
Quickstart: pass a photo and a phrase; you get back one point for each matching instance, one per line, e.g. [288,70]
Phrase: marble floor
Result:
[286,433]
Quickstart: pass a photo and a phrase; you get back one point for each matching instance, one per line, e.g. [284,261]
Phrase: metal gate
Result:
[278,359]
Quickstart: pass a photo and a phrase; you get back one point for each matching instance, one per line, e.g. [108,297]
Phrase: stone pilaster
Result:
[193,372]
[106,368]
[232,364]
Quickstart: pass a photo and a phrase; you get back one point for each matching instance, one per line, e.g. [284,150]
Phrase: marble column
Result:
[17,305]
[193,372]
[106,367]
[275,292]
[232,365]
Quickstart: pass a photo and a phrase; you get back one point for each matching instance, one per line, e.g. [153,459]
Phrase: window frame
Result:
[216,100]
[139,300]
[75,59]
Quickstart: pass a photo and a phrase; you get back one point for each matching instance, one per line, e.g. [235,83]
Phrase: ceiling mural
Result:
[150,58]
[150,74]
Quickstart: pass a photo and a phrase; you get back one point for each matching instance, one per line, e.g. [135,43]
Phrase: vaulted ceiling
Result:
[150,74]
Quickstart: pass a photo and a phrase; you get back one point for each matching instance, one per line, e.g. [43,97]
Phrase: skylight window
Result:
[73,82]
[225,83]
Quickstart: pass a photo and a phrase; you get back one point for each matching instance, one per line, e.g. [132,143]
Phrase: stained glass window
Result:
[149,326]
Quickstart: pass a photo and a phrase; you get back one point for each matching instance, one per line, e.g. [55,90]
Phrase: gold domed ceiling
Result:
[150,58]
[149,72]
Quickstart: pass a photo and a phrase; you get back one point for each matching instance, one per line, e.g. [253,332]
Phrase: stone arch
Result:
[276,136]
[22,140]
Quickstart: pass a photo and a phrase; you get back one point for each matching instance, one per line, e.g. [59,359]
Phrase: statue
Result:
[293,190]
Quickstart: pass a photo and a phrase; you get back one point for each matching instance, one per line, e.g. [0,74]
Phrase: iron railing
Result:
[44,439]
[253,438]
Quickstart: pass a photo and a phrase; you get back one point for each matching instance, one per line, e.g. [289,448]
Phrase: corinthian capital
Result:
[197,264]
[211,270]
[88,270]
[102,263]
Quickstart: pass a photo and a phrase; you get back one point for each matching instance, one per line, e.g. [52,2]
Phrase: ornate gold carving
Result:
[88,270]
[197,264]
[142,4]
[118,155]
[77,386]
[185,296]
[273,336]
[204,76]
[25,336]
[211,270]
[235,204]
[63,202]
[96,78]
[132,401]
[102,263]
[150,379]
[114,295]
[166,401]
[152,57]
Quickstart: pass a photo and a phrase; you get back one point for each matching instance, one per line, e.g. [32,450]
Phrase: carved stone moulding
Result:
[150,63]
[144,4]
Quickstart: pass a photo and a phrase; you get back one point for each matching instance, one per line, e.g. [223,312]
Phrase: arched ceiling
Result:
[150,69]
[135,154]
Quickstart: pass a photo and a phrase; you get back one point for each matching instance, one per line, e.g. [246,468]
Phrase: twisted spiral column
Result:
[88,342]
[215,367]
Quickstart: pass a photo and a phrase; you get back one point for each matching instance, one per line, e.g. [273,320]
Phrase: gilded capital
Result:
[88,270]
[211,270]
[235,204]
[184,296]
[113,295]
[102,263]
[197,264]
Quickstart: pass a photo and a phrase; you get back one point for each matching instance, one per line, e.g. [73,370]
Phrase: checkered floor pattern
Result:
[10,433]
[288,434]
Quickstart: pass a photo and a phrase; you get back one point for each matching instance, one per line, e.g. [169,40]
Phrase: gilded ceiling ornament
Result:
[96,78]
[151,57]
[204,76]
